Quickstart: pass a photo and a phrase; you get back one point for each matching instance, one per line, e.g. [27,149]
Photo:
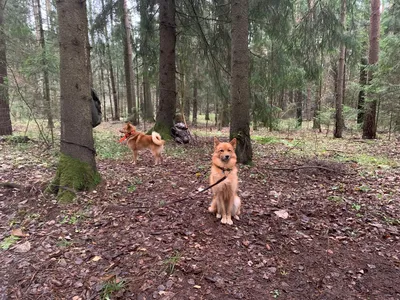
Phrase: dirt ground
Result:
[311,228]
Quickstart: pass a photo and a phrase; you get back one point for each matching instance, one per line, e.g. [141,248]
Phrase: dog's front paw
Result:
[223,220]
[237,217]
[218,216]
[229,221]
[212,209]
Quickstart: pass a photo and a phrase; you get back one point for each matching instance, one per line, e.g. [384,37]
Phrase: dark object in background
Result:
[95,109]
[180,133]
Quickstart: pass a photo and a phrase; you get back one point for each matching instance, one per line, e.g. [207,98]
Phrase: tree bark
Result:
[46,84]
[5,119]
[128,61]
[240,109]
[339,122]
[146,30]
[113,94]
[167,98]
[299,107]
[195,102]
[369,128]
[77,166]
[361,94]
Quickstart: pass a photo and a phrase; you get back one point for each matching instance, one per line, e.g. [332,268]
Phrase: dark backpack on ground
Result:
[180,133]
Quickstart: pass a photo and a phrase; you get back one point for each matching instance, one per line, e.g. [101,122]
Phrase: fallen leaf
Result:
[282,213]
[96,258]
[18,232]
[24,247]
[197,286]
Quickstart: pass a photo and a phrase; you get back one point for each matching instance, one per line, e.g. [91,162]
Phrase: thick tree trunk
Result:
[339,121]
[5,119]
[369,128]
[361,94]
[77,166]
[128,60]
[240,109]
[167,101]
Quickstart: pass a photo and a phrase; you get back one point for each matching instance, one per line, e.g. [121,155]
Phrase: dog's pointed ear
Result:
[233,143]
[216,142]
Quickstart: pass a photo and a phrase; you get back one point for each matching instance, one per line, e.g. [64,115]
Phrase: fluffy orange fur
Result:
[138,140]
[225,202]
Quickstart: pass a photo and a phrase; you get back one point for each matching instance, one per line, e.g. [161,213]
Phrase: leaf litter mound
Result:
[310,229]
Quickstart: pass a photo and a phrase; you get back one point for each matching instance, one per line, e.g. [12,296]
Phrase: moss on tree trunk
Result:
[72,175]
[162,129]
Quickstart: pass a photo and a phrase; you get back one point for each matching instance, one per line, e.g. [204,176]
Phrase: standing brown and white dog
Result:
[225,202]
[138,140]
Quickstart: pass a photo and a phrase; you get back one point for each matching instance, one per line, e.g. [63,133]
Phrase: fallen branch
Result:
[13,185]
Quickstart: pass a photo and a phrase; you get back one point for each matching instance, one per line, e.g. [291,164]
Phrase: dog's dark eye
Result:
[221,150]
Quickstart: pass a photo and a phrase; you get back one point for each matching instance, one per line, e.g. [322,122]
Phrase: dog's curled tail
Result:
[157,138]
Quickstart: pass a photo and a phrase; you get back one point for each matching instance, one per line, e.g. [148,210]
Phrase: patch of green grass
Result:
[368,160]
[171,262]
[111,287]
[107,145]
[356,206]
[336,199]
[8,242]
[266,139]
[176,152]
[72,219]
[363,188]
[63,243]
[391,221]
[131,188]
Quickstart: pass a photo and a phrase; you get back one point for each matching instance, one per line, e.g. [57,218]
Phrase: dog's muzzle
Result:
[225,158]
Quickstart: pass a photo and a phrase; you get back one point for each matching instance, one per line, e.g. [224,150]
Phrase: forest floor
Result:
[320,220]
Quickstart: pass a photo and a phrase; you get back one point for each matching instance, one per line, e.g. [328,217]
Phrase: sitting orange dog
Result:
[137,141]
[225,202]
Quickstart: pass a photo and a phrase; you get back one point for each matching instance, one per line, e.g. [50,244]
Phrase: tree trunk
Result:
[369,128]
[146,31]
[240,109]
[195,102]
[77,166]
[46,87]
[128,61]
[167,100]
[317,106]
[339,122]
[113,94]
[299,107]
[5,119]
[361,94]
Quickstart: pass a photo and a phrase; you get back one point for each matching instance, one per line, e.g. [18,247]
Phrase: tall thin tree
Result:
[46,83]
[128,63]
[77,166]
[369,126]
[339,121]
[5,119]
[240,109]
